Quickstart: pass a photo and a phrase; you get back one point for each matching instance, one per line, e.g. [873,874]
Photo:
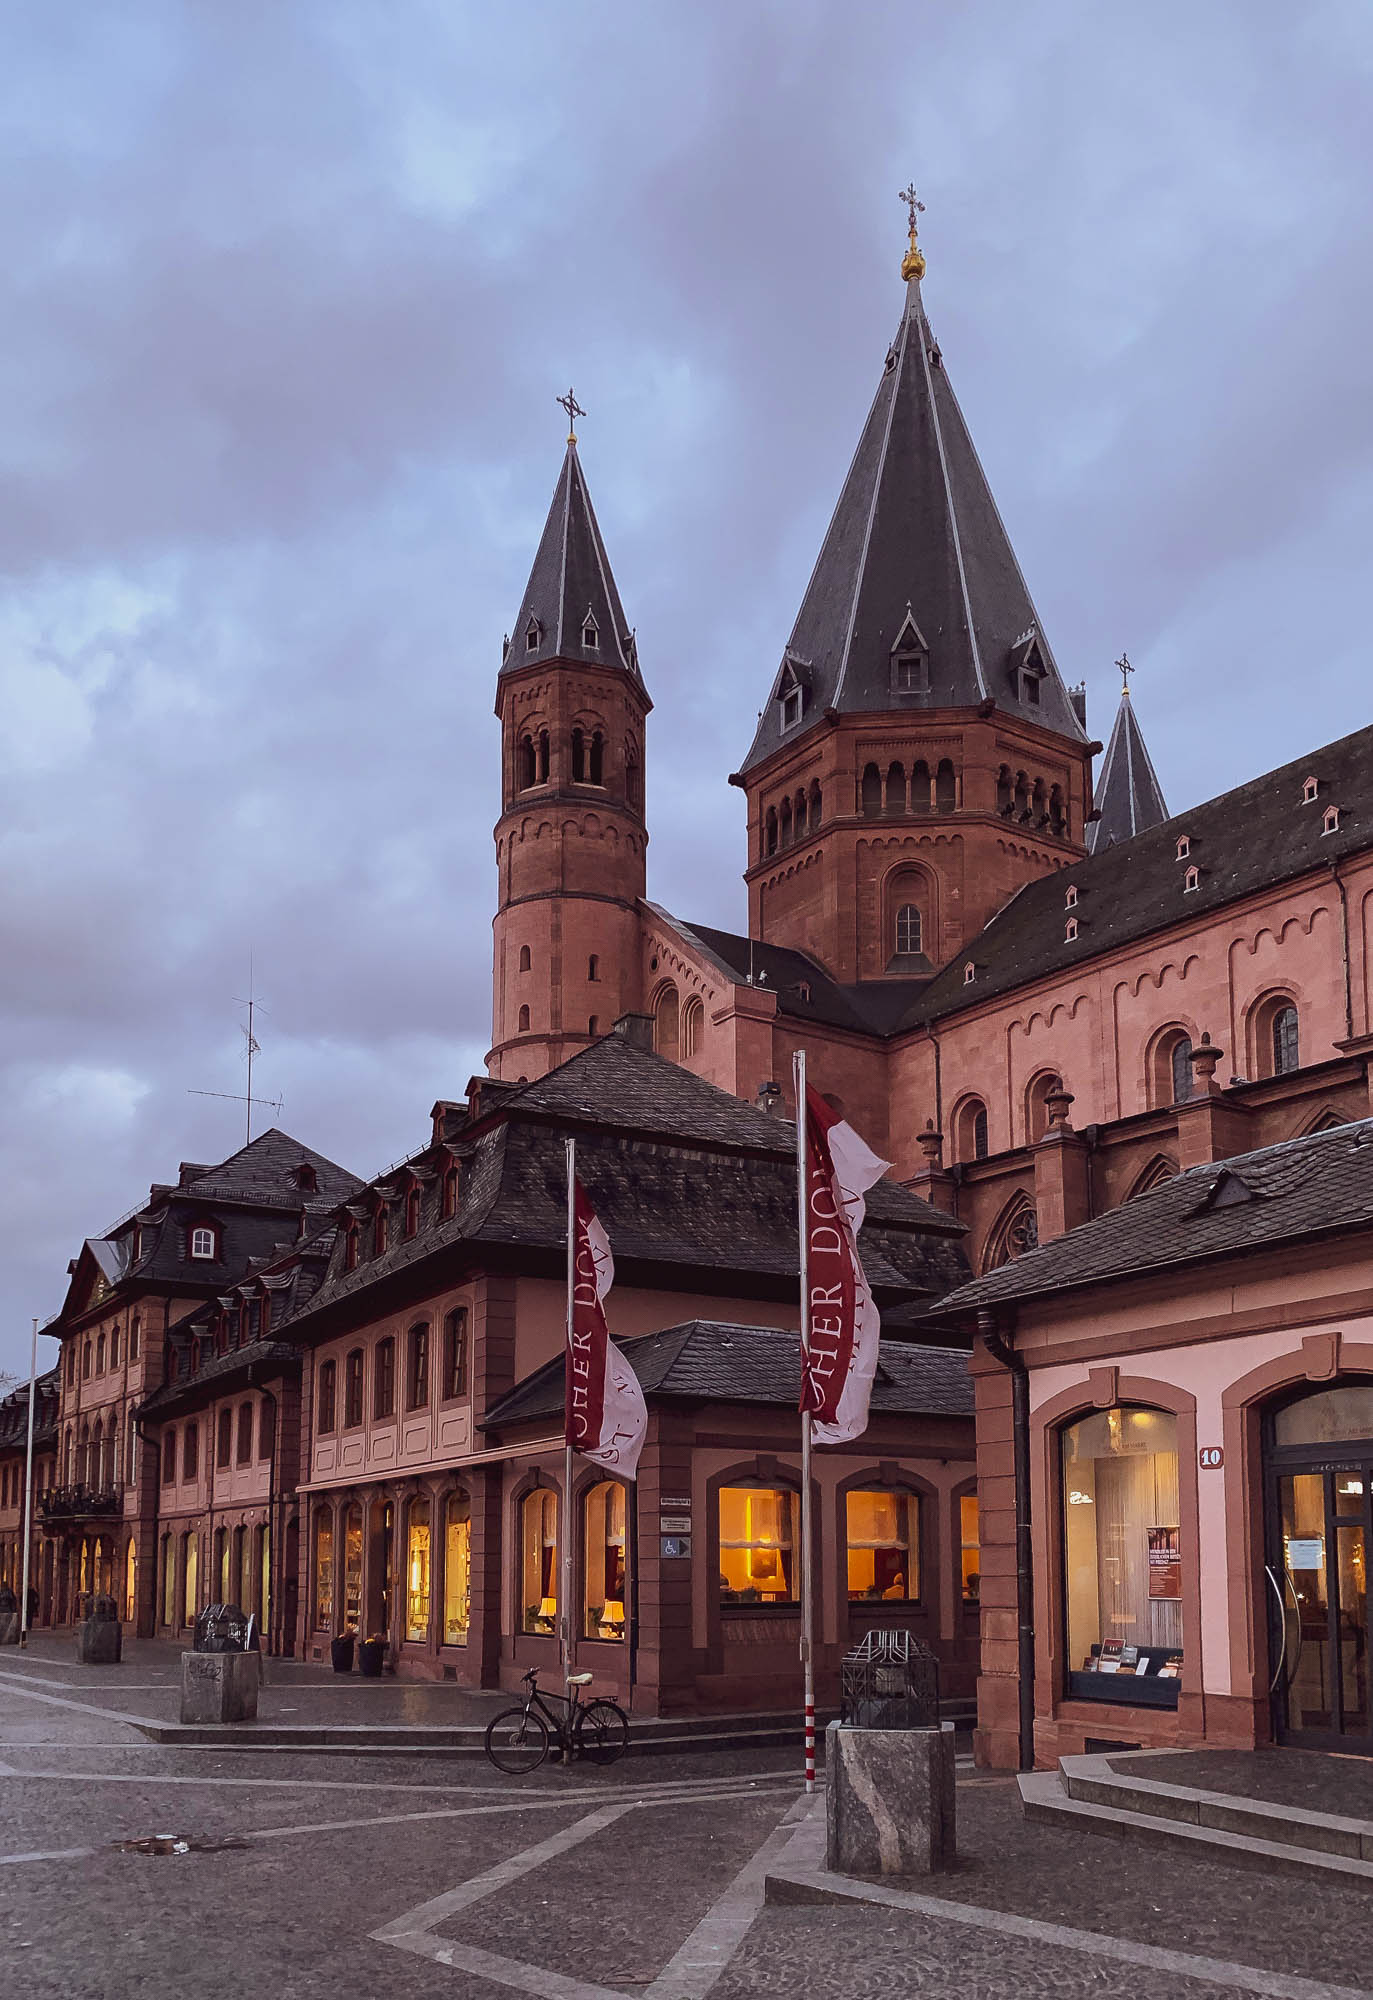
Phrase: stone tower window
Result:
[578,757]
[907,930]
[531,636]
[524,1021]
[593,967]
[525,958]
[596,770]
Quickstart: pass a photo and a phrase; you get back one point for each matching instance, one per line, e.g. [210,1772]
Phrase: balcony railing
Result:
[74,1503]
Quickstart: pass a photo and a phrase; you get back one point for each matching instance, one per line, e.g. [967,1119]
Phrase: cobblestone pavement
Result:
[1315,1780]
[308,1876]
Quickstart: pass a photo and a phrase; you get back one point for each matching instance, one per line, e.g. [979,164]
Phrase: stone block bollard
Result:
[889,1800]
[100,1636]
[220,1687]
[9,1628]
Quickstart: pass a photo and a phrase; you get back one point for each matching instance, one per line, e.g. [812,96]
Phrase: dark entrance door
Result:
[1320,1535]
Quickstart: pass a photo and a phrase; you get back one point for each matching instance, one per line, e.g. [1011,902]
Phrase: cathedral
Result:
[1120,1467]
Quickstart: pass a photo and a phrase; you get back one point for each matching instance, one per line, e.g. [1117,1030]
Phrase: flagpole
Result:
[565,1594]
[28,1494]
[798,1064]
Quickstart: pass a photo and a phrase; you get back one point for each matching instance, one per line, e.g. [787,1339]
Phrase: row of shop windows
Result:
[240,1573]
[452,1384]
[338,1571]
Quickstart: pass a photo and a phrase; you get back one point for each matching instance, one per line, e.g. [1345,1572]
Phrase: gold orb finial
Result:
[913,263]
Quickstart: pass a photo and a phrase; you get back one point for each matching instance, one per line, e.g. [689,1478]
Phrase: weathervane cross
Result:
[574,410]
[913,203]
[1125,672]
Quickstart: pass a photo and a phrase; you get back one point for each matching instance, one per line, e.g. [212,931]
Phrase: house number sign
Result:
[1210,1457]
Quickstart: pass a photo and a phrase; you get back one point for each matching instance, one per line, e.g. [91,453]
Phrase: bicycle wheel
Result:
[517,1740]
[602,1732]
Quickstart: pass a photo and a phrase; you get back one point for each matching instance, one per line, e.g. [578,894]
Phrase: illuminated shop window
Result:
[264,1575]
[130,1581]
[417,1551]
[884,1546]
[168,1580]
[603,1567]
[758,1539]
[457,1569]
[352,1570]
[191,1572]
[324,1571]
[969,1557]
[539,1541]
[1121,1550]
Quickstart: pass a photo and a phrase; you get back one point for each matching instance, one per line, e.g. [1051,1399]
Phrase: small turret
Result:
[1128,795]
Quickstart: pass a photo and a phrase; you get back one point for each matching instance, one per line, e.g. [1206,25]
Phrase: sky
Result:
[289,291]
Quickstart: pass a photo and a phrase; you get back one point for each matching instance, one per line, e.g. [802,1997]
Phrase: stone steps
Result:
[1085,1793]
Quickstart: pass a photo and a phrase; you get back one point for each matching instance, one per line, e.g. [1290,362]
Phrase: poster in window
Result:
[1165,1563]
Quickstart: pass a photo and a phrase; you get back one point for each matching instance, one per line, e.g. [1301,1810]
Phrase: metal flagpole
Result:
[798,1065]
[565,1593]
[28,1494]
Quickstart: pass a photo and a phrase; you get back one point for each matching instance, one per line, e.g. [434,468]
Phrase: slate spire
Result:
[1127,794]
[571,608]
[916,542]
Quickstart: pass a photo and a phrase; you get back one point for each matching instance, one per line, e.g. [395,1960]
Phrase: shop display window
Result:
[603,1565]
[969,1553]
[883,1547]
[457,1569]
[539,1560]
[417,1553]
[1123,1560]
[352,1570]
[758,1542]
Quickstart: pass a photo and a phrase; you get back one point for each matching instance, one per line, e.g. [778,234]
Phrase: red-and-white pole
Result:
[798,1069]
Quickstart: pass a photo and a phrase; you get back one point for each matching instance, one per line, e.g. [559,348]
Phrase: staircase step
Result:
[1093,1779]
[1045,1798]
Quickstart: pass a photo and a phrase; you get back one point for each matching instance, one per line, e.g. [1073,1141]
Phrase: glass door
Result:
[1320,1533]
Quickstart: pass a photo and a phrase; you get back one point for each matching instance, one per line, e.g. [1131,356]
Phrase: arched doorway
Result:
[1318,1464]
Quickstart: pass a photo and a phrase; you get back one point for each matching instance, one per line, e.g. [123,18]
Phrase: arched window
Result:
[1037,1095]
[817,800]
[384,1379]
[539,1560]
[114,1347]
[578,757]
[328,1378]
[324,1571]
[799,816]
[263,1540]
[1058,812]
[526,958]
[632,777]
[920,786]
[224,1438]
[168,1455]
[417,1554]
[945,787]
[412,1211]
[870,796]
[528,769]
[1158,1170]
[352,1389]
[770,831]
[596,762]
[883,1530]
[1021,803]
[1016,1231]
[350,1247]
[593,1025]
[203,1243]
[417,1367]
[603,1561]
[1003,789]
[100,1354]
[593,968]
[896,788]
[455,1354]
[970,1130]
[266,1428]
[457,1568]
[190,1570]
[1274,1036]
[190,1451]
[693,1026]
[168,1556]
[1039,803]
[135,1336]
[1170,1068]
[907,930]
[1285,1046]
[524,1021]
[665,1023]
[244,1454]
[969,1549]
[1182,1069]
[1122,1555]
[758,1542]
[450,1192]
[131,1582]
[87,1355]
[543,756]
[784,822]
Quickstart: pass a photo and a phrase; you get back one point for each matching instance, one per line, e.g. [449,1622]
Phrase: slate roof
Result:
[1127,794]
[571,577]
[1321,1185]
[715,1361]
[916,531]
[1245,841]
[869,1007]
[14,1415]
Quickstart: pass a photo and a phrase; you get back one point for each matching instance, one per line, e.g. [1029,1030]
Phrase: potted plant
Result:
[341,1652]
[372,1656]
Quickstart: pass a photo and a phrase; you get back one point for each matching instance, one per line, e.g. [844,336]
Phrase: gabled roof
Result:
[803,987]
[1241,843]
[917,533]
[717,1361]
[1316,1186]
[571,582]
[1127,795]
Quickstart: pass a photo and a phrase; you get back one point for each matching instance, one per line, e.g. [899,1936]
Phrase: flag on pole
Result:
[607,1417]
[838,1366]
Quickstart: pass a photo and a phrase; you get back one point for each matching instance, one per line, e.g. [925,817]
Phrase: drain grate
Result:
[175,1843]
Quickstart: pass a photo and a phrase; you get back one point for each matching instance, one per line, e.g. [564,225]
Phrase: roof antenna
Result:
[252,1047]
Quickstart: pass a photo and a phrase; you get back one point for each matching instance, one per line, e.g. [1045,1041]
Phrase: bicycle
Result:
[518,1739]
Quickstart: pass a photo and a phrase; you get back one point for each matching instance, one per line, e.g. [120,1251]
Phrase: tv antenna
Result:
[251,1048]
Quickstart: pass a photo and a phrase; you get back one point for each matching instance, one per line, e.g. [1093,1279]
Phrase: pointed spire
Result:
[1127,795]
[571,609]
[916,532]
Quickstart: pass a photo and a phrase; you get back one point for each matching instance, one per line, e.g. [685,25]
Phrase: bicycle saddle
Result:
[579,1680]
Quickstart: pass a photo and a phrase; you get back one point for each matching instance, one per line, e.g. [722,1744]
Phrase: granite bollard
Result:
[99,1635]
[9,1628]
[889,1800]
[220,1687]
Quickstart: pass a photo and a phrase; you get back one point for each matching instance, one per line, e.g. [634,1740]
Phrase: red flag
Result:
[607,1417]
[838,1368]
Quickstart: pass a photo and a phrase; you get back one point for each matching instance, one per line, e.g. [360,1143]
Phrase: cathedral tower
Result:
[919,757]
[571,837]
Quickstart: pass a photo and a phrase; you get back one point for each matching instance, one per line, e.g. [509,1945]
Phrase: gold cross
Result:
[574,410]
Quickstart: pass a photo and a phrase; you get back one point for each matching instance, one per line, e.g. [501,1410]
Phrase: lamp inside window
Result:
[758,1538]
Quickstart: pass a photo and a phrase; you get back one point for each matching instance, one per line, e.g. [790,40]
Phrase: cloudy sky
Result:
[288,293]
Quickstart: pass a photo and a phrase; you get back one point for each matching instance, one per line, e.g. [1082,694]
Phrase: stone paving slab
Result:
[1315,1780]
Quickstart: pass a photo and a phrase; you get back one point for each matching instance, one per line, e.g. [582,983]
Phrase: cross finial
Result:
[913,263]
[574,410]
[1125,672]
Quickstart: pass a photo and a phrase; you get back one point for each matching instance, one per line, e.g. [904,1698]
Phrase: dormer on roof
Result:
[793,682]
[1027,669]
[910,658]
[1310,791]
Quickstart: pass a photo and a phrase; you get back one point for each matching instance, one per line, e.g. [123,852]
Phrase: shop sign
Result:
[1211,1457]
[1165,1563]
[678,1503]
[674,1524]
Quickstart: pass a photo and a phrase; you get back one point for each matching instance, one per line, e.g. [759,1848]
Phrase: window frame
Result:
[196,1254]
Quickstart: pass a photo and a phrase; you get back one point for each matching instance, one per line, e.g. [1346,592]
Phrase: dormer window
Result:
[1309,791]
[350,1247]
[1191,880]
[1028,667]
[1331,822]
[305,1178]
[203,1243]
[591,637]
[531,636]
[1184,848]
[1070,930]
[1070,899]
[789,698]
[412,1212]
[969,974]
[1030,683]
[910,659]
